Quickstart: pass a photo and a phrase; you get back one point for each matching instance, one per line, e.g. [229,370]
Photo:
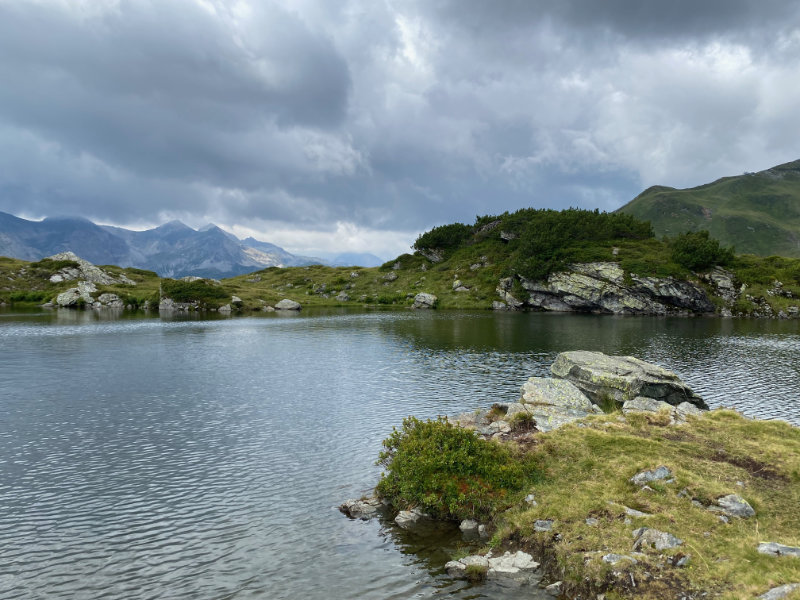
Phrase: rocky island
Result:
[610,479]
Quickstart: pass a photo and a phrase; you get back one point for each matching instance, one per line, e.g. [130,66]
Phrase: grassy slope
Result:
[757,213]
[586,475]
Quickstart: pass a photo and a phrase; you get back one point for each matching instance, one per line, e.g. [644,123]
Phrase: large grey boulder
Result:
[424,300]
[775,549]
[553,402]
[621,378]
[73,296]
[653,538]
[777,593]
[734,505]
[362,509]
[287,304]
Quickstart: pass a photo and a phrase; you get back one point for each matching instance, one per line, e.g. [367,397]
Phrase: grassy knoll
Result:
[582,472]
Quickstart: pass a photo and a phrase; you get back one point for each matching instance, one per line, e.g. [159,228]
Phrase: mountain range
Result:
[757,213]
[171,250]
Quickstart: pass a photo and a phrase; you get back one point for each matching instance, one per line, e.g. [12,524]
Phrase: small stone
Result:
[592,521]
[615,559]
[554,589]
[659,540]
[543,525]
[530,500]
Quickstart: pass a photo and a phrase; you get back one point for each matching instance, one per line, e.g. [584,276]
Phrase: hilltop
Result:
[757,213]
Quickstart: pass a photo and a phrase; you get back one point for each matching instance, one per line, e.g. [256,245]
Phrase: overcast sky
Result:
[326,125]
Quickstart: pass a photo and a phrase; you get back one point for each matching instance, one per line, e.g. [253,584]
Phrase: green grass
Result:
[756,213]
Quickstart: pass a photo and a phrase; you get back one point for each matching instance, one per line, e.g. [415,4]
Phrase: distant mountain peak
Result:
[175,224]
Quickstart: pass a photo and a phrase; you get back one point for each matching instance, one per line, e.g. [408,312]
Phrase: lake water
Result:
[188,458]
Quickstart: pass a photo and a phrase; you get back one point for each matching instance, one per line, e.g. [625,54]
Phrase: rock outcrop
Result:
[602,287]
[287,304]
[424,300]
[85,271]
[606,378]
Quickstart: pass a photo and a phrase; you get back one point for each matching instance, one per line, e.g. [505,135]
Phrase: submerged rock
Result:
[621,378]
[362,509]
[408,519]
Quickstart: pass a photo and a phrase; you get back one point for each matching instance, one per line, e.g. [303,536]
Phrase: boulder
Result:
[553,402]
[390,276]
[110,300]
[85,271]
[343,296]
[622,378]
[424,300]
[514,566]
[287,304]
[68,298]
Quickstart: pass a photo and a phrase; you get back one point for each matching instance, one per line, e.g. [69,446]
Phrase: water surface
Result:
[188,458]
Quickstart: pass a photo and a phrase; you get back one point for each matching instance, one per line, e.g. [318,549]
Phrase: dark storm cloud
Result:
[359,117]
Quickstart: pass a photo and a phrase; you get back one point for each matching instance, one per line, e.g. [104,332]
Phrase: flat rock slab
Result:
[517,566]
[621,378]
[553,402]
[775,549]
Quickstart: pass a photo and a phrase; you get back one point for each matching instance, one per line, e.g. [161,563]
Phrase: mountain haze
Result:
[757,213]
[171,250]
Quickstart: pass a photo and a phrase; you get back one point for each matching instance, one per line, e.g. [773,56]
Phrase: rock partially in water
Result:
[409,519]
[622,378]
[514,566]
[364,509]
[287,304]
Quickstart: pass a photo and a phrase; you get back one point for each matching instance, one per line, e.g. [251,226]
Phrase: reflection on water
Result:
[204,458]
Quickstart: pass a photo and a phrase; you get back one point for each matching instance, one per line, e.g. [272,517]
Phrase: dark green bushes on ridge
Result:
[697,250]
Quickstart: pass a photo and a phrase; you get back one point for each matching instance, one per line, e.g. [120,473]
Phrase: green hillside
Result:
[757,213]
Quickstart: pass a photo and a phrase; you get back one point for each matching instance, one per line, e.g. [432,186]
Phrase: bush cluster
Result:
[201,291]
[444,237]
[448,471]
[697,250]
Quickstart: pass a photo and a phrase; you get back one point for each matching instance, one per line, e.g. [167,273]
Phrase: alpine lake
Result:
[198,456]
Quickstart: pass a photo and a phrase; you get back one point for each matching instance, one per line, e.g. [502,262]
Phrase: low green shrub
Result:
[449,472]
[697,250]
[201,291]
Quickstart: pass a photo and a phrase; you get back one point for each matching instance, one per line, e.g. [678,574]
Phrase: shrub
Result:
[444,237]
[200,291]
[697,250]
[448,471]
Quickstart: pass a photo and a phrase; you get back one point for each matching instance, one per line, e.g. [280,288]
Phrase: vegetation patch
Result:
[450,472]
[201,291]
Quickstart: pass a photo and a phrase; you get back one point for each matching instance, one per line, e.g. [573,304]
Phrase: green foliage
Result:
[444,237]
[697,250]
[201,291]
[448,471]
[46,267]
[30,296]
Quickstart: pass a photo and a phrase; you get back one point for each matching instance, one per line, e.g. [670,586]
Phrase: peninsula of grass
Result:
[580,477]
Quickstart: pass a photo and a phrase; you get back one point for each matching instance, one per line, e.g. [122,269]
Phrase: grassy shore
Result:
[580,477]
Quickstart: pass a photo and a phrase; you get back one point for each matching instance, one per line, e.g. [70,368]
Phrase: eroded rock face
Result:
[601,287]
[85,271]
[621,378]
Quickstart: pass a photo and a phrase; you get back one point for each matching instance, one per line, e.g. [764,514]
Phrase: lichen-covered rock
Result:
[85,271]
[653,538]
[553,402]
[424,300]
[621,378]
[734,505]
[645,477]
[110,300]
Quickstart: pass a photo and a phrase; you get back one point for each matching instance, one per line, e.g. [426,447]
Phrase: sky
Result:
[355,125]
